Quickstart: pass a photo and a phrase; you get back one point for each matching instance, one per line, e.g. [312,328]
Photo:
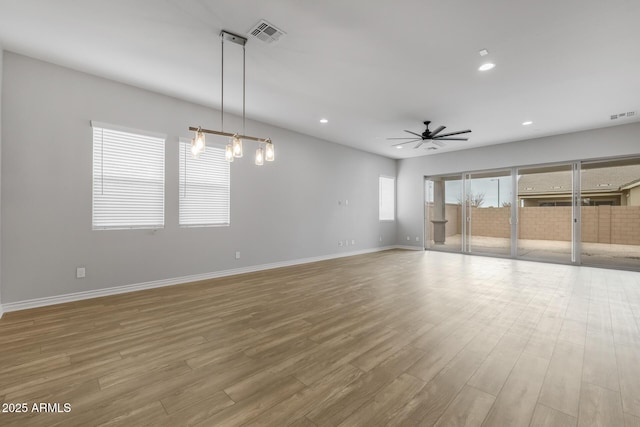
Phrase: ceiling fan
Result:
[434,137]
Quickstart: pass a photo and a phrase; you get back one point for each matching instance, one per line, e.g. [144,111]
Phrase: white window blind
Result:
[128,178]
[387,207]
[204,187]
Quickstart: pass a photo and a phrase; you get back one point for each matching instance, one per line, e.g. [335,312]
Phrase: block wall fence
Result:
[600,224]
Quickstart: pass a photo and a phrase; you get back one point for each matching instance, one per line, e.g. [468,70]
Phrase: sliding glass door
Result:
[545,213]
[585,213]
[488,212]
[443,213]
[610,213]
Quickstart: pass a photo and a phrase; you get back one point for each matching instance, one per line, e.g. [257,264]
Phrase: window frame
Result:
[380,198]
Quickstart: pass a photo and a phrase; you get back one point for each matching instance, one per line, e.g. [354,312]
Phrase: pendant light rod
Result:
[217,132]
[222,82]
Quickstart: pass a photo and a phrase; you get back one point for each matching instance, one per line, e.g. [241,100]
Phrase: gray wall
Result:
[280,212]
[1,68]
[599,143]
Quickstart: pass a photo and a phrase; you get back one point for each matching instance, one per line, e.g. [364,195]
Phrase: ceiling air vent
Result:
[266,32]
[623,115]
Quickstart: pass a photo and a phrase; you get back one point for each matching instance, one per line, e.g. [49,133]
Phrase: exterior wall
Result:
[545,223]
[618,225]
[600,224]
[625,225]
[490,222]
[634,196]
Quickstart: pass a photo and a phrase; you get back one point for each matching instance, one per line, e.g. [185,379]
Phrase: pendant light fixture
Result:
[228,153]
[198,144]
[236,145]
[270,152]
[259,156]
[233,149]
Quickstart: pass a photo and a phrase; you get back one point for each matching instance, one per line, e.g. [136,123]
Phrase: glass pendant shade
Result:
[237,146]
[270,154]
[228,153]
[259,156]
[198,144]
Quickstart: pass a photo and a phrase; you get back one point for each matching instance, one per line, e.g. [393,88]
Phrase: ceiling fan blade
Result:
[406,142]
[439,144]
[450,139]
[413,133]
[437,131]
[401,138]
[454,133]
[419,144]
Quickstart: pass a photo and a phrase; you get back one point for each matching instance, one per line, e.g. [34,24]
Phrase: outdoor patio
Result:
[593,254]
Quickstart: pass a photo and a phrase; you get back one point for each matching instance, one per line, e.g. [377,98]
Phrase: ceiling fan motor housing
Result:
[427,132]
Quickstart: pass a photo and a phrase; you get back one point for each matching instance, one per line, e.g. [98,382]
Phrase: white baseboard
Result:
[77,296]
[1,311]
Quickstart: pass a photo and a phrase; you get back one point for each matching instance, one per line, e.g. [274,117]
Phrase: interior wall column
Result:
[439,221]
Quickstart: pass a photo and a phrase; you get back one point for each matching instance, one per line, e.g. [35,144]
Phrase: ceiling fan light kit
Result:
[233,149]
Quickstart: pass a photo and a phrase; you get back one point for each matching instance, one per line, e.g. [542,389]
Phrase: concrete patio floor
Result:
[594,254]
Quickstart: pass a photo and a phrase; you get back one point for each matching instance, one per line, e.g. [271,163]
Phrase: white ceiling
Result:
[372,67]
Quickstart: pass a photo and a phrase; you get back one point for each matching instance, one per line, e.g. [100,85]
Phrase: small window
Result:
[204,187]
[128,178]
[387,207]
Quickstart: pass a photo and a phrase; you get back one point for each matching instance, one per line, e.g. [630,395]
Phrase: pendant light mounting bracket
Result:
[227,36]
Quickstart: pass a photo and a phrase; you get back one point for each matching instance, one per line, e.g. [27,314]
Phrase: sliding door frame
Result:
[576,208]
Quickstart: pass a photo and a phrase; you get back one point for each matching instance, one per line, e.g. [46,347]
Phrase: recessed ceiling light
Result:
[527,123]
[324,121]
[399,147]
[486,66]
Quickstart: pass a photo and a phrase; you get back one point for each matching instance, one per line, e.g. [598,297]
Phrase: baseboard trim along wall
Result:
[77,296]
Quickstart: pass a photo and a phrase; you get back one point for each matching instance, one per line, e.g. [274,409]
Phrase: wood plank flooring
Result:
[390,338]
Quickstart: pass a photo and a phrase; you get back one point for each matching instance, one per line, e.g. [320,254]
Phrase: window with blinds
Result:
[204,187]
[128,178]
[387,205]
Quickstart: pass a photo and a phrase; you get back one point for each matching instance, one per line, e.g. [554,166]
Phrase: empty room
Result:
[329,213]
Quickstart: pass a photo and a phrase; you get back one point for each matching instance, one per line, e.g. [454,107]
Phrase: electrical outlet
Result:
[237,254]
[81,273]
[353,242]
[380,239]
[417,239]
[408,238]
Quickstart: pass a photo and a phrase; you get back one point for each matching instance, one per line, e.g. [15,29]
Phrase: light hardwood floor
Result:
[390,338]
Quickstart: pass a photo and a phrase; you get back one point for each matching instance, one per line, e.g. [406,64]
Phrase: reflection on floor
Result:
[596,254]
